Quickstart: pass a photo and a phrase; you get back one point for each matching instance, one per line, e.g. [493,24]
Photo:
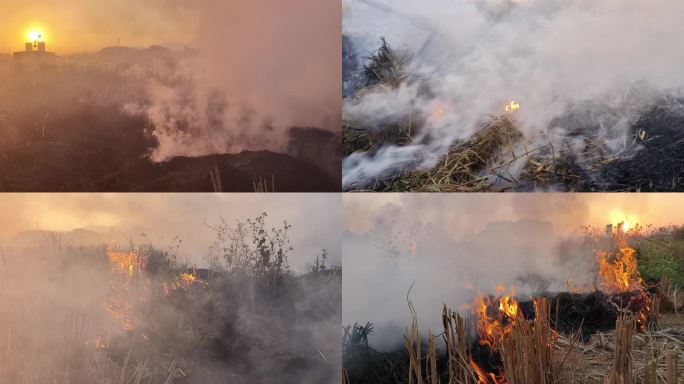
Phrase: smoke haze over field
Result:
[256,68]
[117,312]
[71,26]
[315,218]
[451,246]
[263,67]
[551,57]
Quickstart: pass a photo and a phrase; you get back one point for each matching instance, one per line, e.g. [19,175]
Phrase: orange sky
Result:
[469,213]
[85,25]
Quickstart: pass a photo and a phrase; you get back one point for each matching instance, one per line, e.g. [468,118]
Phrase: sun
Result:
[628,221]
[35,35]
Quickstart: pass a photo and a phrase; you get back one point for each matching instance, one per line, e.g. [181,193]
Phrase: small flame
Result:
[512,106]
[439,109]
[482,376]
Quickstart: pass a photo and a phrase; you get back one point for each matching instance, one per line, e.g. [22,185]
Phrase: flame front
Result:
[618,273]
[121,305]
[618,270]
[496,316]
[125,262]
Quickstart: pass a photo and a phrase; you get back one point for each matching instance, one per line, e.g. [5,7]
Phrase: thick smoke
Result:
[70,312]
[607,60]
[450,247]
[260,69]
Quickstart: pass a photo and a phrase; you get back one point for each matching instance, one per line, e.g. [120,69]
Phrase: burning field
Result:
[192,101]
[462,96]
[75,309]
[592,310]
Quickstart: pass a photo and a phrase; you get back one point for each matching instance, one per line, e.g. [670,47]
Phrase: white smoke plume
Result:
[261,68]
[551,56]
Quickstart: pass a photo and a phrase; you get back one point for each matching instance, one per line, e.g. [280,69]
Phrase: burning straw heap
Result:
[617,331]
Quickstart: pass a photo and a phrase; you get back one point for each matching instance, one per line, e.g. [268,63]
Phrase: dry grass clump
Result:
[625,356]
[495,158]
[527,351]
[473,165]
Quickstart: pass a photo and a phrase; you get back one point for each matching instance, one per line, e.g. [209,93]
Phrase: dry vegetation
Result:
[621,329]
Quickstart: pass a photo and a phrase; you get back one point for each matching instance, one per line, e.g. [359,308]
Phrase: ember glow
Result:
[512,106]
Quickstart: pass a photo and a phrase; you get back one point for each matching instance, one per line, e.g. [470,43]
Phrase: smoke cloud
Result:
[260,69]
[103,309]
[605,60]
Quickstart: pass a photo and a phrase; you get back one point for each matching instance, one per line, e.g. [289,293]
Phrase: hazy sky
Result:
[470,213]
[315,218]
[85,25]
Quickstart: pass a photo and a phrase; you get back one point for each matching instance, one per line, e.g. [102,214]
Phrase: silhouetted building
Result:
[30,58]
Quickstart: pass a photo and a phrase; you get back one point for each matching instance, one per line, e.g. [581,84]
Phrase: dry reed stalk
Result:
[650,374]
[526,351]
[215,176]
[261,185]
[654,312]
[625,329]
[432,374]
[672,367]
[412,343]
[455,329]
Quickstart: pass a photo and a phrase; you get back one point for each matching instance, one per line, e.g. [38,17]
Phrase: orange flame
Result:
[496,316]
[482,376]
[125,262]
[618,270]
[120,305]
[619,273]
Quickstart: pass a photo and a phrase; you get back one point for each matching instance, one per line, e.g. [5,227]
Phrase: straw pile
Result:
[499,158]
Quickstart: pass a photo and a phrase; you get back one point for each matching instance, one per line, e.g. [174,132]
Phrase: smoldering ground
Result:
[602,62]
[448,248]
[91,313]
[250,95]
